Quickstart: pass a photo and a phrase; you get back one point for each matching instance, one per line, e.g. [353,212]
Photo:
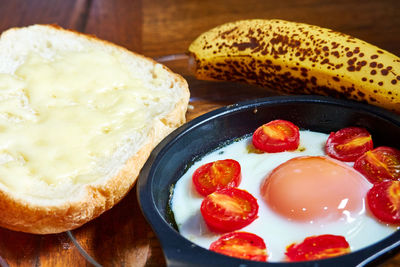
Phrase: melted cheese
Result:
[60,117]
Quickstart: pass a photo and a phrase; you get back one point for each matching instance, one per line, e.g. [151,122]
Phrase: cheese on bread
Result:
[78,119]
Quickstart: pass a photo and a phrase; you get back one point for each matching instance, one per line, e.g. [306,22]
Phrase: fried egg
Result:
[294,201]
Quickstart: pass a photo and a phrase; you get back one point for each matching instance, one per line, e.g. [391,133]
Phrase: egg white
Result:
[360,230]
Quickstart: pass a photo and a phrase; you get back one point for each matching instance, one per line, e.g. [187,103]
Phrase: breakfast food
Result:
[384,201]
[276,136]
[229,209]
[348,144]
[241,245]
[318,247]
[217,175]
[298,58]
[379,164]
[78,118]
[309,205]
[311,188]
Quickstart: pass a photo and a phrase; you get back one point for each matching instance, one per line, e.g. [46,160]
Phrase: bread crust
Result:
[20,214]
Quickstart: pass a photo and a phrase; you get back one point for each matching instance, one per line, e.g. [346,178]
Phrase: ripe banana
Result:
[298,58]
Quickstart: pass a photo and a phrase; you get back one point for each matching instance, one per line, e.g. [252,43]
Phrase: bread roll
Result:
[78,118]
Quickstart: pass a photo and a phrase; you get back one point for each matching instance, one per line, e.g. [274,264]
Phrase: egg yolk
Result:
[315,189]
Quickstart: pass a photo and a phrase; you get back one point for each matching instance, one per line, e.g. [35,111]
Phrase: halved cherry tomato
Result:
[277,136]
[348,144]
[379,164]
[216,175]
[383,201]
[318,247]
[229,209]
[241,245]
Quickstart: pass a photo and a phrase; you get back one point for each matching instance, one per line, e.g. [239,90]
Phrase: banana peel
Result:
[297,58]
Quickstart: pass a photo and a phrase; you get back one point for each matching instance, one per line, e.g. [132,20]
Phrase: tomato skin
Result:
[318,247]
[276,136]
[383,200]
[241,245]
[216,175]
[229,209]
[348,144]
[379,164]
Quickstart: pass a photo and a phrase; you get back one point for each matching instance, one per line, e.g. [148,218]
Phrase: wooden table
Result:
[155,28]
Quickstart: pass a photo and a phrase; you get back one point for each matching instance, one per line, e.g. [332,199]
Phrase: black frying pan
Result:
[175,153]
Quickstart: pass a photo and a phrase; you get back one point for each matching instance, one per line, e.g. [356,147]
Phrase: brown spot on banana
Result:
[296,58]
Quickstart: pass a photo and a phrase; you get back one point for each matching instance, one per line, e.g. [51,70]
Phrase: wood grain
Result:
[119,22]
[121,236]
[18,13]
[175,23]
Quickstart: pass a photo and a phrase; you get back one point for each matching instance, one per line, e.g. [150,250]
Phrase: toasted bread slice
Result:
[78,118]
